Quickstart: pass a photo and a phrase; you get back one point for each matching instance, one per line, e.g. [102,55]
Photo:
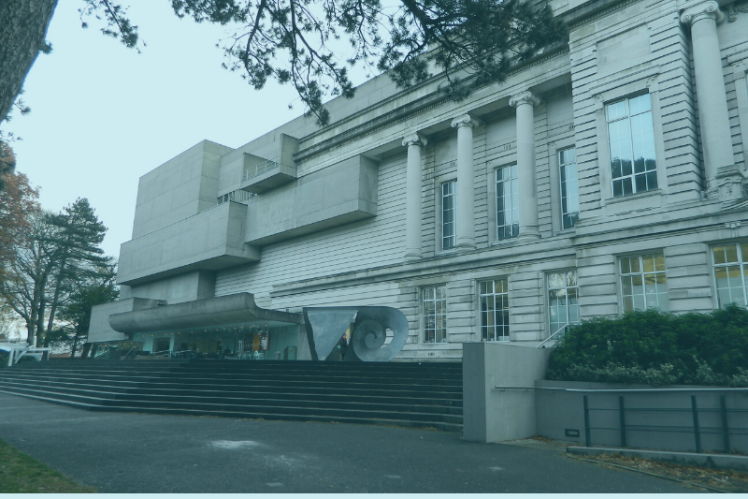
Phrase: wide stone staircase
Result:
[427,395]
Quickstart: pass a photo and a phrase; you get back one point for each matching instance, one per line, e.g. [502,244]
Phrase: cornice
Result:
[404,112]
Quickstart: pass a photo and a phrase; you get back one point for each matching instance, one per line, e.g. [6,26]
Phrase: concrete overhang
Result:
[228,309]
[211,240]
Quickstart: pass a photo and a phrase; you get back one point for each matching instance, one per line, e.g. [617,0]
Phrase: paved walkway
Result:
[133,453]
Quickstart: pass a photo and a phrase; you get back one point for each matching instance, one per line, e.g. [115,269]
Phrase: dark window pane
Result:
[651,180]
[618,188]
[627,186]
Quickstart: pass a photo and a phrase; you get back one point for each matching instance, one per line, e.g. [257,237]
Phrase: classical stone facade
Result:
[605,175]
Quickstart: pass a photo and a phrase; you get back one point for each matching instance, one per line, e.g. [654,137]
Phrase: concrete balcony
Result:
[262,174]
[211,240]
[343,193]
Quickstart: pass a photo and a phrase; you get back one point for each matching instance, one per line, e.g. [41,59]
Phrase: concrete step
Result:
[248,411]
[145,390]
[401,394]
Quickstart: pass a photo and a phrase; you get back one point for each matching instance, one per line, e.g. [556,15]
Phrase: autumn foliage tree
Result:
[18,201]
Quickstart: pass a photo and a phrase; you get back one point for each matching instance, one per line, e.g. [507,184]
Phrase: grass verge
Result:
[20,473]
[713,480]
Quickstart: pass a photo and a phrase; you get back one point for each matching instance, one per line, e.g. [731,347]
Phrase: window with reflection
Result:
[731,273]
[435,313]
[567,166]
[507,203]
[643,282]
[449,206]
[563,299]
[632,145]
[494,310]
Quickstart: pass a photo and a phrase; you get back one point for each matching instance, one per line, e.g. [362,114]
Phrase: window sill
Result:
[638,195]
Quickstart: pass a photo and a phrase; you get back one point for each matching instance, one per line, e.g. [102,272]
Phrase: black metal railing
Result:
[696,429]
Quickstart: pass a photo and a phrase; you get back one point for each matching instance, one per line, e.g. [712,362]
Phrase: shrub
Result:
[656,348]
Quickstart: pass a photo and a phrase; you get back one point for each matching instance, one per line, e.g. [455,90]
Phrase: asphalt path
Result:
[136,453]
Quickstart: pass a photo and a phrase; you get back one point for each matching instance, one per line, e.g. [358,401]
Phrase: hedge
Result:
[656,348]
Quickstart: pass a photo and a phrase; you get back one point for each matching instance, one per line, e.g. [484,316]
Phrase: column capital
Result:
[414,139]
[698,10]
[465,120]
[524,98]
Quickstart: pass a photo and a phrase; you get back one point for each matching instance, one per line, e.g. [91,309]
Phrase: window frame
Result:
[496,200]
[629,117]
[547,290]
[742,264]
[620,275]
[619,89]
[438,223]
[480,295]
[453,195]
[561,188]
[424,319]
[558,145]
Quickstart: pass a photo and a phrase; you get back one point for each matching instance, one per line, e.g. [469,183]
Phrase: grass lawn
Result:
[22,473]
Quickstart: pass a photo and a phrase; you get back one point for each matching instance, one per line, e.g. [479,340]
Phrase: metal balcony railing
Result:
[259,169]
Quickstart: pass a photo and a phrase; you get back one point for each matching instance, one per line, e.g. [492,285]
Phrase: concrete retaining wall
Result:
[498,395]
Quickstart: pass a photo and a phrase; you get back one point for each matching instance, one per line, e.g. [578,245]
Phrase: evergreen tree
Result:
[97,289]
[78,255]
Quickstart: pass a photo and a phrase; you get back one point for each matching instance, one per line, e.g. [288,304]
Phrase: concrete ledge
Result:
[722,461]
[227,309]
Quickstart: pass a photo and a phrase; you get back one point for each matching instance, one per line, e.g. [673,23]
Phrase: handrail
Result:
[259,169]
[562,330]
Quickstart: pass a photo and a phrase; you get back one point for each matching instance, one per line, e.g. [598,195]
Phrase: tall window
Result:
[563,299]
[632,146]
[449,206]
[567,166]
[494,310]
[507,202]
[731,273]
[643,282]
[435,313]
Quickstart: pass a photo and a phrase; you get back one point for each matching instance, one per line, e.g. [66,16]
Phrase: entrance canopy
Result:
[223,310]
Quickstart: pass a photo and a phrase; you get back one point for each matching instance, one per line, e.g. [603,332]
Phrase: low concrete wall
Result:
[498,394]
[560,415]
[100,330]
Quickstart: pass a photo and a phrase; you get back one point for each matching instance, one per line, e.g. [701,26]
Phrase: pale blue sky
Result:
[103,115]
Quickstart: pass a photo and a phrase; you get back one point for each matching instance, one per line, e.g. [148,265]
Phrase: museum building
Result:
[605,175]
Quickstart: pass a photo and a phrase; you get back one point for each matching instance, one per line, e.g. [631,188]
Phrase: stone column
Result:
[528,198]
[414,143]
[714,121]
[465,184]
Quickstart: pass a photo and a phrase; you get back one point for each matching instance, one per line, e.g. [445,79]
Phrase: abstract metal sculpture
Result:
[370,340]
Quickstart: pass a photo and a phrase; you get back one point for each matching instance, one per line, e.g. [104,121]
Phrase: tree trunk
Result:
[75,345]
[23,28]
[56,296]
[86,349]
